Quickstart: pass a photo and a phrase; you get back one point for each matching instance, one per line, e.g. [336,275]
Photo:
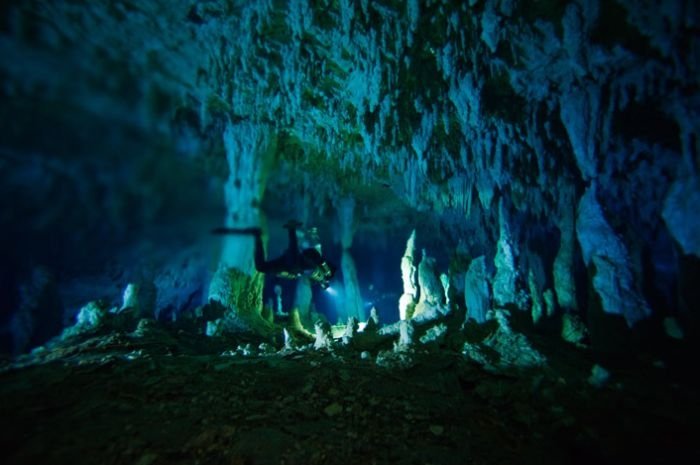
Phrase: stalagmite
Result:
[477,295]
[289,343]
[549,302]
[432,293]
[573,329]
[504,283]
[372,324]
[605,251]
[140,298]
[504,348]
[90,317]
[350,330]
[564,284]
[323,336]
[538,309]
[408,299]
[406,335]
[445,281]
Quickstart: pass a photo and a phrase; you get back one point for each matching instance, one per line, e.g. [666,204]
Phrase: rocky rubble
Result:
[161,395]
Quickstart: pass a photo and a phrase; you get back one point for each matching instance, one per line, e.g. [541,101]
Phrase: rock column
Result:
[353,299]
[236,283]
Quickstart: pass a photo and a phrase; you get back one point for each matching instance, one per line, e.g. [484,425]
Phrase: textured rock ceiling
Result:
[430,112]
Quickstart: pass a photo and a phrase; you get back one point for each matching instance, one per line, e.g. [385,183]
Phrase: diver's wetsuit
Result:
[293,263]
[289,262]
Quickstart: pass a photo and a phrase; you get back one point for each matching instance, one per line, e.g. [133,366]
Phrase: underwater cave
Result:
[338,232]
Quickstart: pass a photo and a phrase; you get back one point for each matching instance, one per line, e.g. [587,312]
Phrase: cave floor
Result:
[117,402]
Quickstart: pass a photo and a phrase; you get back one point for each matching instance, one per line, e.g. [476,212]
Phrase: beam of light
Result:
[331,291]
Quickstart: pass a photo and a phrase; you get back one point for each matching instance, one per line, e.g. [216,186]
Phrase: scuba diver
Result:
[293,263]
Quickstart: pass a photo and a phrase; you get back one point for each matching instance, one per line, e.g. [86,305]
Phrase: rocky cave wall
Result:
[556,139]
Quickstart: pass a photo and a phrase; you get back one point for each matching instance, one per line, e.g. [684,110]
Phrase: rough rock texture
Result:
[91,317]
[557,141]
[409,298]
[432,292]
[272,407]
[483,122]
[505,282]
[406,335]
[504,348]
[322,333]
[680,213]
[372,324]
[573,329]
[350,331]
[563,269]
[476,290]
[241,295]
[538,308]
[141,298]
[604,251]
[435,335]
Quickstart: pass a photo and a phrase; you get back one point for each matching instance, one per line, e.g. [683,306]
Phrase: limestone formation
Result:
[323,336]
[680,213]
[538,309]
[477,294]
[350,331]
[573,329]
[409,277]
[241,295]
[504,349]
[90,317]
[549,302]
[480,121]
[406,335]
[372,324]
[605,252]
[289,342]
[432,293]
[215,327]
[140,298]
[445,281]
[599,376]
[434,335]
[353,304]
[564,284]
[505,289]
